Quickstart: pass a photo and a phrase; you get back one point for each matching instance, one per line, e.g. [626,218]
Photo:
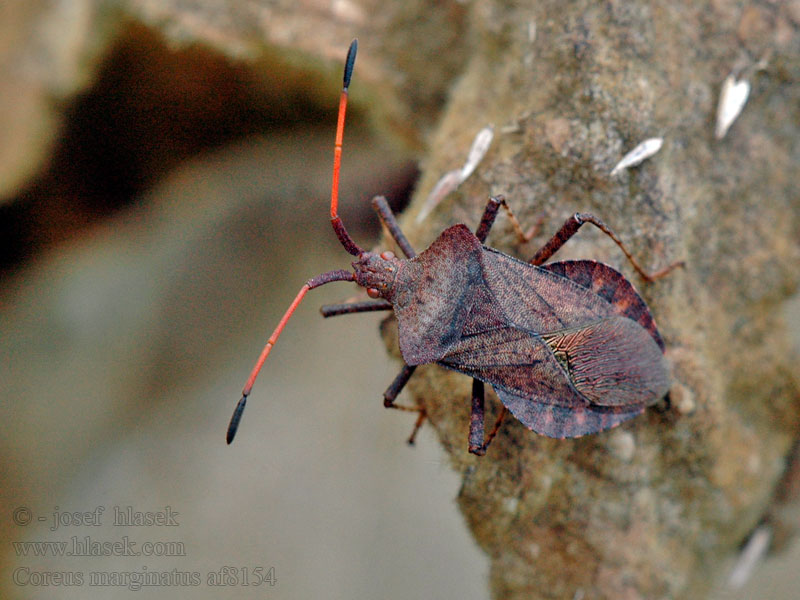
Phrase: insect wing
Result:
[535,386]
[613,362]
[535,299]
[532,383]
[557,421]
[517,361]
[610,285]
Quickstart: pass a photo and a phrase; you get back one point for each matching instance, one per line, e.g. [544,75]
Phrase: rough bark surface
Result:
[650,509]
[654,507]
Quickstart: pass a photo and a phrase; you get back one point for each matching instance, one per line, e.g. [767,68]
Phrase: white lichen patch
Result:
[450,181]
[732,98]
[642,152]
[752,554]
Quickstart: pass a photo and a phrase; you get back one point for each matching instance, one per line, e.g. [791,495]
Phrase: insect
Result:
[569,347]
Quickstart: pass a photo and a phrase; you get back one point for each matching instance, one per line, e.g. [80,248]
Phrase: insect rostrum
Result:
[569,347]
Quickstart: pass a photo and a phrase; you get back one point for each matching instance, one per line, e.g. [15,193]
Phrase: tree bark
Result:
[652,508]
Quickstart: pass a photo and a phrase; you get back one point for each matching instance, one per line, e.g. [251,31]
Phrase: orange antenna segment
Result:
[339,275]
[336,222]
[337,155]
[341,233]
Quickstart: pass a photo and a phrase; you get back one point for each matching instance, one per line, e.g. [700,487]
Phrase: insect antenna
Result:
[341,233]
[339,275]
[336,222]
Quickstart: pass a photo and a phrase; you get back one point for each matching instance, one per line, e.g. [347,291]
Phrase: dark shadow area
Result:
[151,107]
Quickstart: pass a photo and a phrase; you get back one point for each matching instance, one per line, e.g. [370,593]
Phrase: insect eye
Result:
[373,293]
[387,255]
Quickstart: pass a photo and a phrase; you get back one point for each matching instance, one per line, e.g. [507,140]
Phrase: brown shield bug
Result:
[569,347]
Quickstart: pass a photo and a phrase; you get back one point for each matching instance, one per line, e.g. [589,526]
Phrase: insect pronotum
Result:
[569,347]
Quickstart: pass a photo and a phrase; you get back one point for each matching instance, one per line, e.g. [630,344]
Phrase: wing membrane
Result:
[517,361]
[613,362]
[610,285]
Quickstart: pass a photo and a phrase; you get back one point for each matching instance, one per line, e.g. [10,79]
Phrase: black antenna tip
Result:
[237,416]
[350,62]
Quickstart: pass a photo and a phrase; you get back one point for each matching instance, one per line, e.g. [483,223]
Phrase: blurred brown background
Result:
[164,189]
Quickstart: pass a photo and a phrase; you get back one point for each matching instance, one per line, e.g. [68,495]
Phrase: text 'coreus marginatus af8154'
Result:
[570,347]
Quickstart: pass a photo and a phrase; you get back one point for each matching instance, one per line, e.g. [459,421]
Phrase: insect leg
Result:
[495,428]
[390,395]
[570,228]
[334,310]
[490,214]
[386,216]
[476,419]
[420,420]
[477,445]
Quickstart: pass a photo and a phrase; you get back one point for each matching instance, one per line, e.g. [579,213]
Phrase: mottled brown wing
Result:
[612,286]
[534,385]
[613,362]
[562,358]
[536,299]
[517,361]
